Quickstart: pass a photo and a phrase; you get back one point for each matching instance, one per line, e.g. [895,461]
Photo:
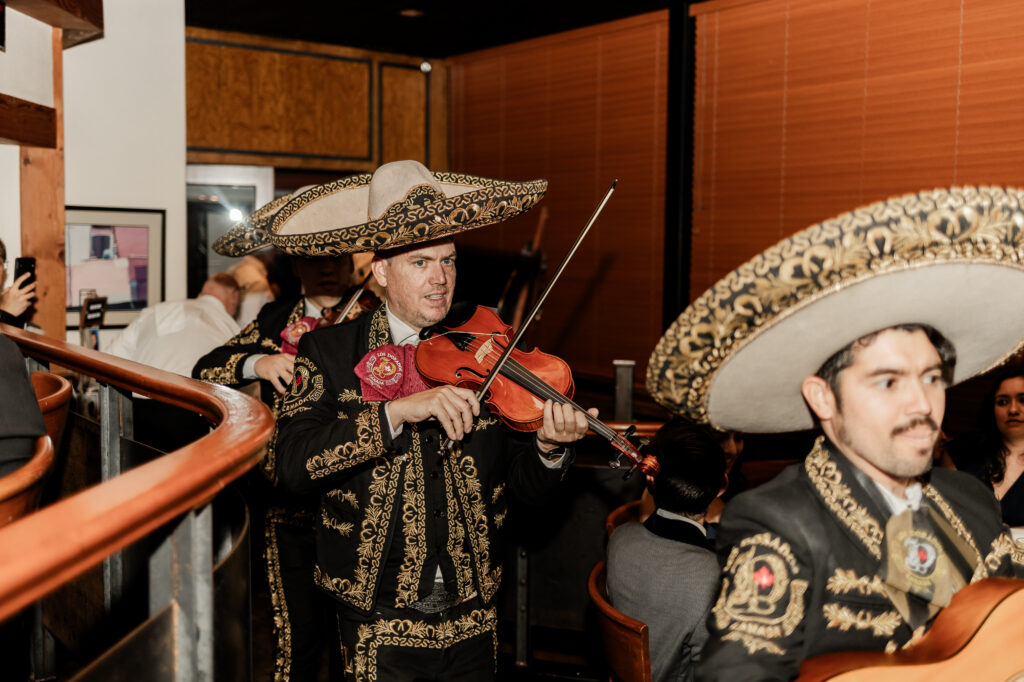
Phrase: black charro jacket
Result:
[802,556]
[394,509]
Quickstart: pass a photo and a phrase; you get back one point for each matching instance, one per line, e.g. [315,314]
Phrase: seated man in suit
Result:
[663,572]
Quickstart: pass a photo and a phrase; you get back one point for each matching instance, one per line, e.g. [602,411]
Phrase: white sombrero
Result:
[951,259]
[403,203]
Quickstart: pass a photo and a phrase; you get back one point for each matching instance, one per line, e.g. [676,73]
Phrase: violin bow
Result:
[540,300]
[355,297]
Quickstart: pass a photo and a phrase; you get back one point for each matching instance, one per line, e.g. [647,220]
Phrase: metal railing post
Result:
[624,389]
[181,571]
[115,423]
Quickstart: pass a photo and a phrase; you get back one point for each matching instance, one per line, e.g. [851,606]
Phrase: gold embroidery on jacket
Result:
[380,330]
[760,599]
[498,489]
[932,494]
[307,387]
[269,344]
[843,618]
[419,635]
[471,501]
[347,496]
[825,475]
[1004,546]
[500,519]
[372,534]
[226,374]
[282,621]
[350,395]
[414,526]
[367,445]
[343,528]
[843,582]
[482,424]
[457,534]
[249,335]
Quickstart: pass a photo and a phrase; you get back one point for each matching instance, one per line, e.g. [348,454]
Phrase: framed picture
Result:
[117,254]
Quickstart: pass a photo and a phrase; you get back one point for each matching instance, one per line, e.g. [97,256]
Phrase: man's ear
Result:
[379,268]
[819,397]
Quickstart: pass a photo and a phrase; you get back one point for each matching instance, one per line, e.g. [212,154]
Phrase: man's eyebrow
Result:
[900,372]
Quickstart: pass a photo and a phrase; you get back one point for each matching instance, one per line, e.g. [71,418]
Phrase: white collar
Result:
[679,517]
[911,501]
[401,333]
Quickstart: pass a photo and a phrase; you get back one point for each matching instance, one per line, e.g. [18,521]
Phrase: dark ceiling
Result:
[442,29]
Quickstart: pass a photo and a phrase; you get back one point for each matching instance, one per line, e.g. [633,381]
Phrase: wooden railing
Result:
[60,542]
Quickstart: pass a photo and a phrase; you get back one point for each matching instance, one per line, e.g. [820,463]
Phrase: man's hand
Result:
[562,424]
[16,299]
[454,407]
[277,369]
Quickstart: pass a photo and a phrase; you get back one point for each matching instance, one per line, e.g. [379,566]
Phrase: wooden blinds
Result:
[804,109]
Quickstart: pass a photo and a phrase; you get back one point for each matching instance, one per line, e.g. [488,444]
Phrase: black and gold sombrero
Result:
[952,259]
[403,203]
[251,234]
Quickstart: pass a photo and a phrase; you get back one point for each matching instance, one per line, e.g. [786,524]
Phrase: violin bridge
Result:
[485,348]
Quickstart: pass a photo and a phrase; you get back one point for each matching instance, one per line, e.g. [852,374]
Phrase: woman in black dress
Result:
[999,457]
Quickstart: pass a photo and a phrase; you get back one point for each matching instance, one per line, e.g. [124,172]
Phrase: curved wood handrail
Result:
[24,477]
[46,549]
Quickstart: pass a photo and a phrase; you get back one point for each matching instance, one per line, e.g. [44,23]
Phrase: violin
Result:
[463,352]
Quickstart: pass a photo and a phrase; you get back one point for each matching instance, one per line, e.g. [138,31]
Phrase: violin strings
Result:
[524,377]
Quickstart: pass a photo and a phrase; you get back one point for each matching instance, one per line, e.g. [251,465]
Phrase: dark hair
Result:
[3,252]
[843,358]
[692,467]
[991,445]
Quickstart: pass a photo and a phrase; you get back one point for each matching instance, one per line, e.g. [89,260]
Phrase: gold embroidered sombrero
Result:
[403,204]
[251,234]
[951,259]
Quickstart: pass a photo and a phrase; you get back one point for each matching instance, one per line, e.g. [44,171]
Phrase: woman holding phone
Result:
[15,299]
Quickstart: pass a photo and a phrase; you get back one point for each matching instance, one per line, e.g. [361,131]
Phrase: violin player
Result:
[409,534]
[857,326]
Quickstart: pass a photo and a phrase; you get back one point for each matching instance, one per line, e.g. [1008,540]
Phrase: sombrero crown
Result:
[950,259]
[403,203]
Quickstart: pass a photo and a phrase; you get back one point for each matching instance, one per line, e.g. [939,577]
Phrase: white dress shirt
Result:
[173,335]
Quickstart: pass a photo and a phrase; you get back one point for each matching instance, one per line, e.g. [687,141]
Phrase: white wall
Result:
[124,120]
[26,72]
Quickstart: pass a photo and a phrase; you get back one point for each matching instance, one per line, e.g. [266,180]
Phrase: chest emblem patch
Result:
[388,373]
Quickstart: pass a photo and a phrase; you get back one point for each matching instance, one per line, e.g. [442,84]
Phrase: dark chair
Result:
[20,489]
[626,513]
[625,640]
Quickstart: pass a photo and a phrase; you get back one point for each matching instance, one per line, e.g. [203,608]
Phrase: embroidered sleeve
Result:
[1005,557]
[757,622]
[223,365]
[324,431]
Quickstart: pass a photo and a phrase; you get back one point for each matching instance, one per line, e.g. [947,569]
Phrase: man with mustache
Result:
[862,544]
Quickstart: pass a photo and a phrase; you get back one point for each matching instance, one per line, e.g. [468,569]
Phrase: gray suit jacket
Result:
[663,573]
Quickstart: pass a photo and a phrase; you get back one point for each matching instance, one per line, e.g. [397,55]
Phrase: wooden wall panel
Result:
[579,108]
[404,106]
[243,99]
[804,110]
[264,101]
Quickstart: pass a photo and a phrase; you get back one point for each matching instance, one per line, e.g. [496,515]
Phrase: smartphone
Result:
[21,266]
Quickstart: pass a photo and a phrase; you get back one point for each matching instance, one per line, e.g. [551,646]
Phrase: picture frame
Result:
[116,253]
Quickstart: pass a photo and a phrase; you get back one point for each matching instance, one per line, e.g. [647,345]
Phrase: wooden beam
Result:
[27,123]
[82,20]
[42,211]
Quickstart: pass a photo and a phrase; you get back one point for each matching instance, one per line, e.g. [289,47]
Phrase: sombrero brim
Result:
[951,259]
[331,218]
[251,234]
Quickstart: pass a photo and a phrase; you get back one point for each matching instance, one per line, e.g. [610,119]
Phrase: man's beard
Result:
[893,465]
